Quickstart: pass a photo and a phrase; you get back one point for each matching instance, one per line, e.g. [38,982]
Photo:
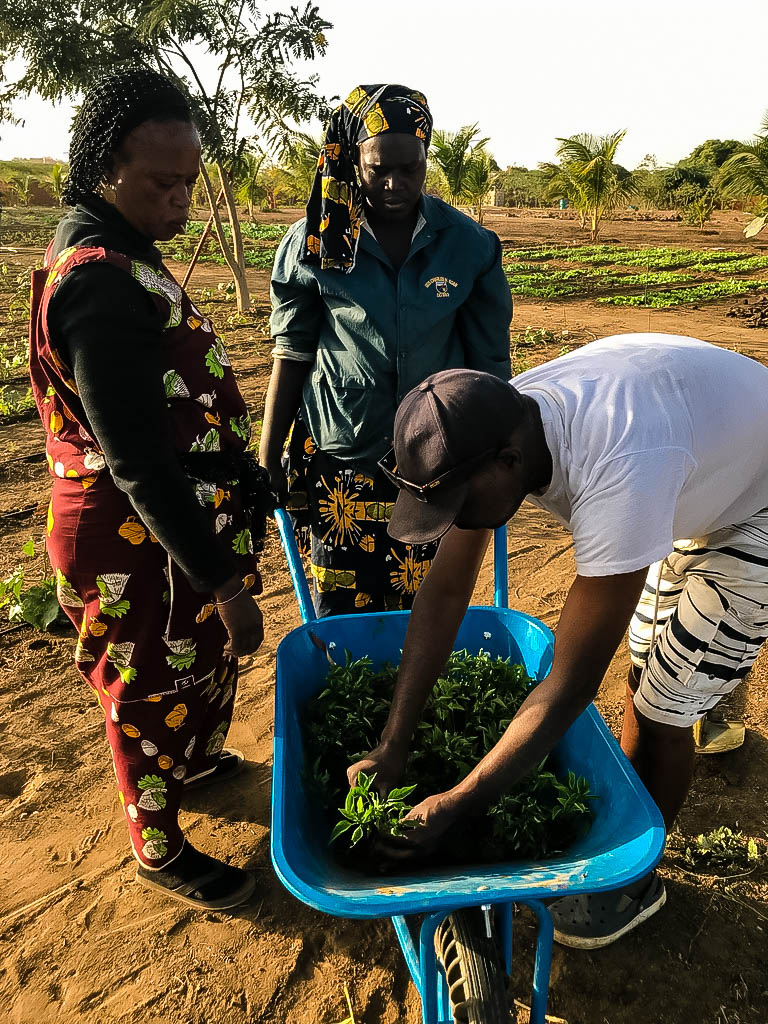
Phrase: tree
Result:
[745,175]
[699,210]
[453,153]
[57,181]
[478,178]
[65,46]
[21,186]
[714,152]
[248,190]
[600,185]
[299,156]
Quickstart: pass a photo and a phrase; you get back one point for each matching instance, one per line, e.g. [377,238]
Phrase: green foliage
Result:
[590,178]
[722,849]
[29,592]
[470,707]
[550,283]
[707,292]
[521,186]
[21,187]
[15,403]
[252,67]
[745,176]
[714,152]
[464,166]
[699,210]
[368,814]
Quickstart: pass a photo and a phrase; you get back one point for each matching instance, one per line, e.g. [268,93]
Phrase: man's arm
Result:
[437,612]
[594,619]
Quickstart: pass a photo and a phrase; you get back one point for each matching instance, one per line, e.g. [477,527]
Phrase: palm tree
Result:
[248,188]
[478,178]
[57,181]
[745,175]
[453,152]
[560,183]
[601,185]
[299,157]
[21,186]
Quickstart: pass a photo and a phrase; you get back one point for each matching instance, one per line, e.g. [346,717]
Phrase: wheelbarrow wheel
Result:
[473,969]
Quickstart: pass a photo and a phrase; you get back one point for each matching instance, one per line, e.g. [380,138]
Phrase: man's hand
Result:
[386,762]
[436,815]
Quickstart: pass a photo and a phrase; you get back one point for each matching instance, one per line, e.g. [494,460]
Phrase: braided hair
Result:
[112,108]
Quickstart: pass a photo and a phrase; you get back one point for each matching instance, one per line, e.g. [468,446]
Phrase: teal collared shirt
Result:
[374,334]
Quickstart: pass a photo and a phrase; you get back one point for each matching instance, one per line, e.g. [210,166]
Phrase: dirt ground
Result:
[81,942]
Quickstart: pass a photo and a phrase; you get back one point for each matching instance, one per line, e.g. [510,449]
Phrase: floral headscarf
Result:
[335,205]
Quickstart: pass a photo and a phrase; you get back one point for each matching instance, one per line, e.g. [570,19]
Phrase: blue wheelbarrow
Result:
[463,980]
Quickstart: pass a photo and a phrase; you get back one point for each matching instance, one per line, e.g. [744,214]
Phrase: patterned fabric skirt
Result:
[340,516]
[150,647]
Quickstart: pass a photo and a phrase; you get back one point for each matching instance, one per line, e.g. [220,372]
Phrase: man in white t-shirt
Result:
[651,449]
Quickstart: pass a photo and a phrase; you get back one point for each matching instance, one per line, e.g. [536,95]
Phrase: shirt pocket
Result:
[344,401]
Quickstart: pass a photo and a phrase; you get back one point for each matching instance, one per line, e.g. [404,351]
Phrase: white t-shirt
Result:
[654,438]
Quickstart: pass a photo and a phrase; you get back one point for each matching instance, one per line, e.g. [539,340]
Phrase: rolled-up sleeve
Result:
[485,317]
[297,309]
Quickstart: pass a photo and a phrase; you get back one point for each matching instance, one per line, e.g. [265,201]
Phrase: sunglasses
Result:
[388,466]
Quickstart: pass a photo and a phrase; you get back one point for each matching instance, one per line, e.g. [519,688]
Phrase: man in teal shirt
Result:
[378,287]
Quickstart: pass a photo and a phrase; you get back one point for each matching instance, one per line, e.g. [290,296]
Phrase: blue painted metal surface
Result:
[500,574]
[626,839]
[295,566]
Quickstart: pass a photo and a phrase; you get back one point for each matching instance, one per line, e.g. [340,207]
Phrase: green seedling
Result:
[368,814]
[470,707]
[722,849]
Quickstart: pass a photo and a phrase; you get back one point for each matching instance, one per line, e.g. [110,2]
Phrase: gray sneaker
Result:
[598,919]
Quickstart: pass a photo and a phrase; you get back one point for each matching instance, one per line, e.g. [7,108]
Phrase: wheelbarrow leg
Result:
[429,981]
[505,911]
[405,939]
[428,964]
[543,963]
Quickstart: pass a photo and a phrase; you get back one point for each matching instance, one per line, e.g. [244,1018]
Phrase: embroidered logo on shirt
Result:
[441,286]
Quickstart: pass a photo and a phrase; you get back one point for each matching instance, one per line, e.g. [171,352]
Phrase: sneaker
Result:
[598,919]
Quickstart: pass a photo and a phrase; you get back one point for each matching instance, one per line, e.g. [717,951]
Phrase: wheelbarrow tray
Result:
[627,835]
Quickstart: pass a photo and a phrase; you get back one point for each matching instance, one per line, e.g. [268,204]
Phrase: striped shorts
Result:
[700,622]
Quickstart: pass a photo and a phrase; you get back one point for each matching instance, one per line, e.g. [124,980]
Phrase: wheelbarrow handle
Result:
[295,565]
[500,579]
[304,596]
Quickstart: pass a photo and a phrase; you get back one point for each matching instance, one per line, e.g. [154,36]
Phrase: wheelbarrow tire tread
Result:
[476,980]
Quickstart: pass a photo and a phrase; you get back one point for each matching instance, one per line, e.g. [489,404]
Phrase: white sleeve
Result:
[623,519]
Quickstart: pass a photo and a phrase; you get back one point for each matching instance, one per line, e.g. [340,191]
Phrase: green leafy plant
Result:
[15,403]
[722,849]
[29,592]
[468,710]
[707,292]
[367,813]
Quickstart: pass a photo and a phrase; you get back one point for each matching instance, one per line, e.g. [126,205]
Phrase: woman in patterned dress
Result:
[149,525]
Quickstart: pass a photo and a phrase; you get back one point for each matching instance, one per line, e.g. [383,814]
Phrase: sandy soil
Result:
[81,942]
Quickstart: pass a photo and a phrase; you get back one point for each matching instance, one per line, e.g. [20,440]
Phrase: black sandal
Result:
[231,762]
[214,885]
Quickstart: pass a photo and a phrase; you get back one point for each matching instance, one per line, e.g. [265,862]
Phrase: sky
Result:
[671,72]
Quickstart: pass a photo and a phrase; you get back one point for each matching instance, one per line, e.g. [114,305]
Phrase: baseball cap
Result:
[445,430]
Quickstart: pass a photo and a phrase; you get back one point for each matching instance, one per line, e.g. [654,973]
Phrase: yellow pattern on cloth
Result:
[335,206]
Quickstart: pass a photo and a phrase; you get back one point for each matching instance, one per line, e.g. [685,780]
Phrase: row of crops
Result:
[657,278]
[621,276]
[260,243]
